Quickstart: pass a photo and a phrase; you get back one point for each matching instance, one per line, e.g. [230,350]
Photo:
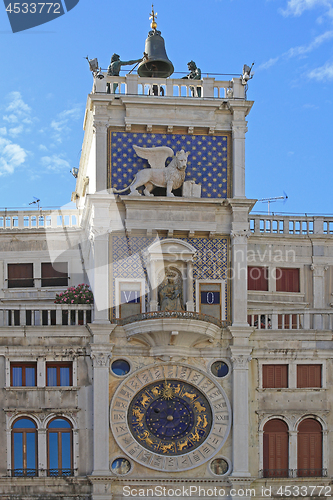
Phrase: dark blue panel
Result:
[207,162]
[59,423]
[51,376]
[210,297]
[70,4]
[17,376]
[26,14]
[30,377]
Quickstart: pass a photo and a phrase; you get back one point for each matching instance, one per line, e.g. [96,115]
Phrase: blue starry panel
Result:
[207,162]
[210,262]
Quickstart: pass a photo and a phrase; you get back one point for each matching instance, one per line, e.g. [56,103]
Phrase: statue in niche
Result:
[170,292]
[172,177]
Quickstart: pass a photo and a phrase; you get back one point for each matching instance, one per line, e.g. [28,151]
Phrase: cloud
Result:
[322,73]
[297,7]
[11,156]
[17,109]
[3,130]
[42,147]
[15,131]
[55,163]
[300,50]
[60,124]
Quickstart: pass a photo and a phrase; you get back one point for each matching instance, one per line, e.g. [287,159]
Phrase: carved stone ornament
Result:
[171,177]
[240,236]
[240,362]
[101,359]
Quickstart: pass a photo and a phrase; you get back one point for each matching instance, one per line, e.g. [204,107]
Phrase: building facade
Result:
[204,366]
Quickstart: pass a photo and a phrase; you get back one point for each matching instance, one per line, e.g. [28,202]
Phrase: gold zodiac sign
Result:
[183,445]
[145,399]
[195,437]
[189,395]
[166,447]
[177,389]
[137,413]
[199,407]
[145,437]
[167,391]
[203,421]
[155,391]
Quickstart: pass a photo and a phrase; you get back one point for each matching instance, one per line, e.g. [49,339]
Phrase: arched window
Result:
[60,448]
[24,448]
[309,448]
[276,449]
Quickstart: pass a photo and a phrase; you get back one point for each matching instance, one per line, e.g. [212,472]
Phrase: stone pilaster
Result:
[318,280]
[240,357]
[100,131]
[101,352]
[238,276]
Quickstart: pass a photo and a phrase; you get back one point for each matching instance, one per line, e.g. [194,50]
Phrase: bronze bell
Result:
[156,64]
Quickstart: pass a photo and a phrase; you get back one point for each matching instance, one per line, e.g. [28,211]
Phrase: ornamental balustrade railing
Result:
[38,314]
[41,472]
[171,315]
[291,224]
[169,87]
[306,319]
[41,219]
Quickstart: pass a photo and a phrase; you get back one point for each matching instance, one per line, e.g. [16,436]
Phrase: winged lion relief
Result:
[170,177]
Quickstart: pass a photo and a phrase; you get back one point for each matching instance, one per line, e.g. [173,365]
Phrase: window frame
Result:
[23,365]
[24,432]
[59,431]
[58,365]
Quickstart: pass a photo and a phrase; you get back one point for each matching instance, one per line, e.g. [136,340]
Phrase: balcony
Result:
[305,319]
[291,224]
[38,314]
[132,84]
[167,332]
[39,220]
[292,473]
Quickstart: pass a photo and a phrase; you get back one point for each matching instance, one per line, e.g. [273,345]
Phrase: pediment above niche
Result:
[171,249]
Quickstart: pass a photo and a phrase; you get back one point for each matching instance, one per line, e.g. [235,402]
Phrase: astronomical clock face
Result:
[170,417]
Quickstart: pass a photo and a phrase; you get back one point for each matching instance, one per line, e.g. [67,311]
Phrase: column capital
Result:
[240,236]
[319,269]
[100,127]
[101,355]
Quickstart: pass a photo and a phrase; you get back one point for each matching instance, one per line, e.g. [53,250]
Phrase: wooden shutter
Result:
[257,278]
[54,277]
[275,452]
[308,376]
[309,448]
[274,376]
[20,275]
[287,279]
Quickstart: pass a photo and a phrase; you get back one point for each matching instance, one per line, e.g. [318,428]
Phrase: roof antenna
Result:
[272,200]
[37,200]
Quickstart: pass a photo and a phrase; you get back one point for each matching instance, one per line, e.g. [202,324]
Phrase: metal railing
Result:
[132,84]
[60,472]
[171,315]
[23,472]
[306,319]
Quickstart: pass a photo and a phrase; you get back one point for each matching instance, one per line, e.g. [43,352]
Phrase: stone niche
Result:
[170,269]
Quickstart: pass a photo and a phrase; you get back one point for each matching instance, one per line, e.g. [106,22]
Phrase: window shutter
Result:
[287,279]
[309,444]
[257,278]
[20,275]
[308,376]
[275,376]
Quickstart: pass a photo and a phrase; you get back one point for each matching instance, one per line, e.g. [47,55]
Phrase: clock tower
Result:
[162,187]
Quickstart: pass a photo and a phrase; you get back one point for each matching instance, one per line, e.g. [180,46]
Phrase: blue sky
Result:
[45,82]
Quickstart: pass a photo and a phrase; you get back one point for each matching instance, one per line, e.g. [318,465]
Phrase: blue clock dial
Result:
[170,417]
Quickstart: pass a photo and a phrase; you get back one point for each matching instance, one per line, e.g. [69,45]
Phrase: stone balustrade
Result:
[39,314]
[41,219]
[169,87]
[306,319]
[291,224]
